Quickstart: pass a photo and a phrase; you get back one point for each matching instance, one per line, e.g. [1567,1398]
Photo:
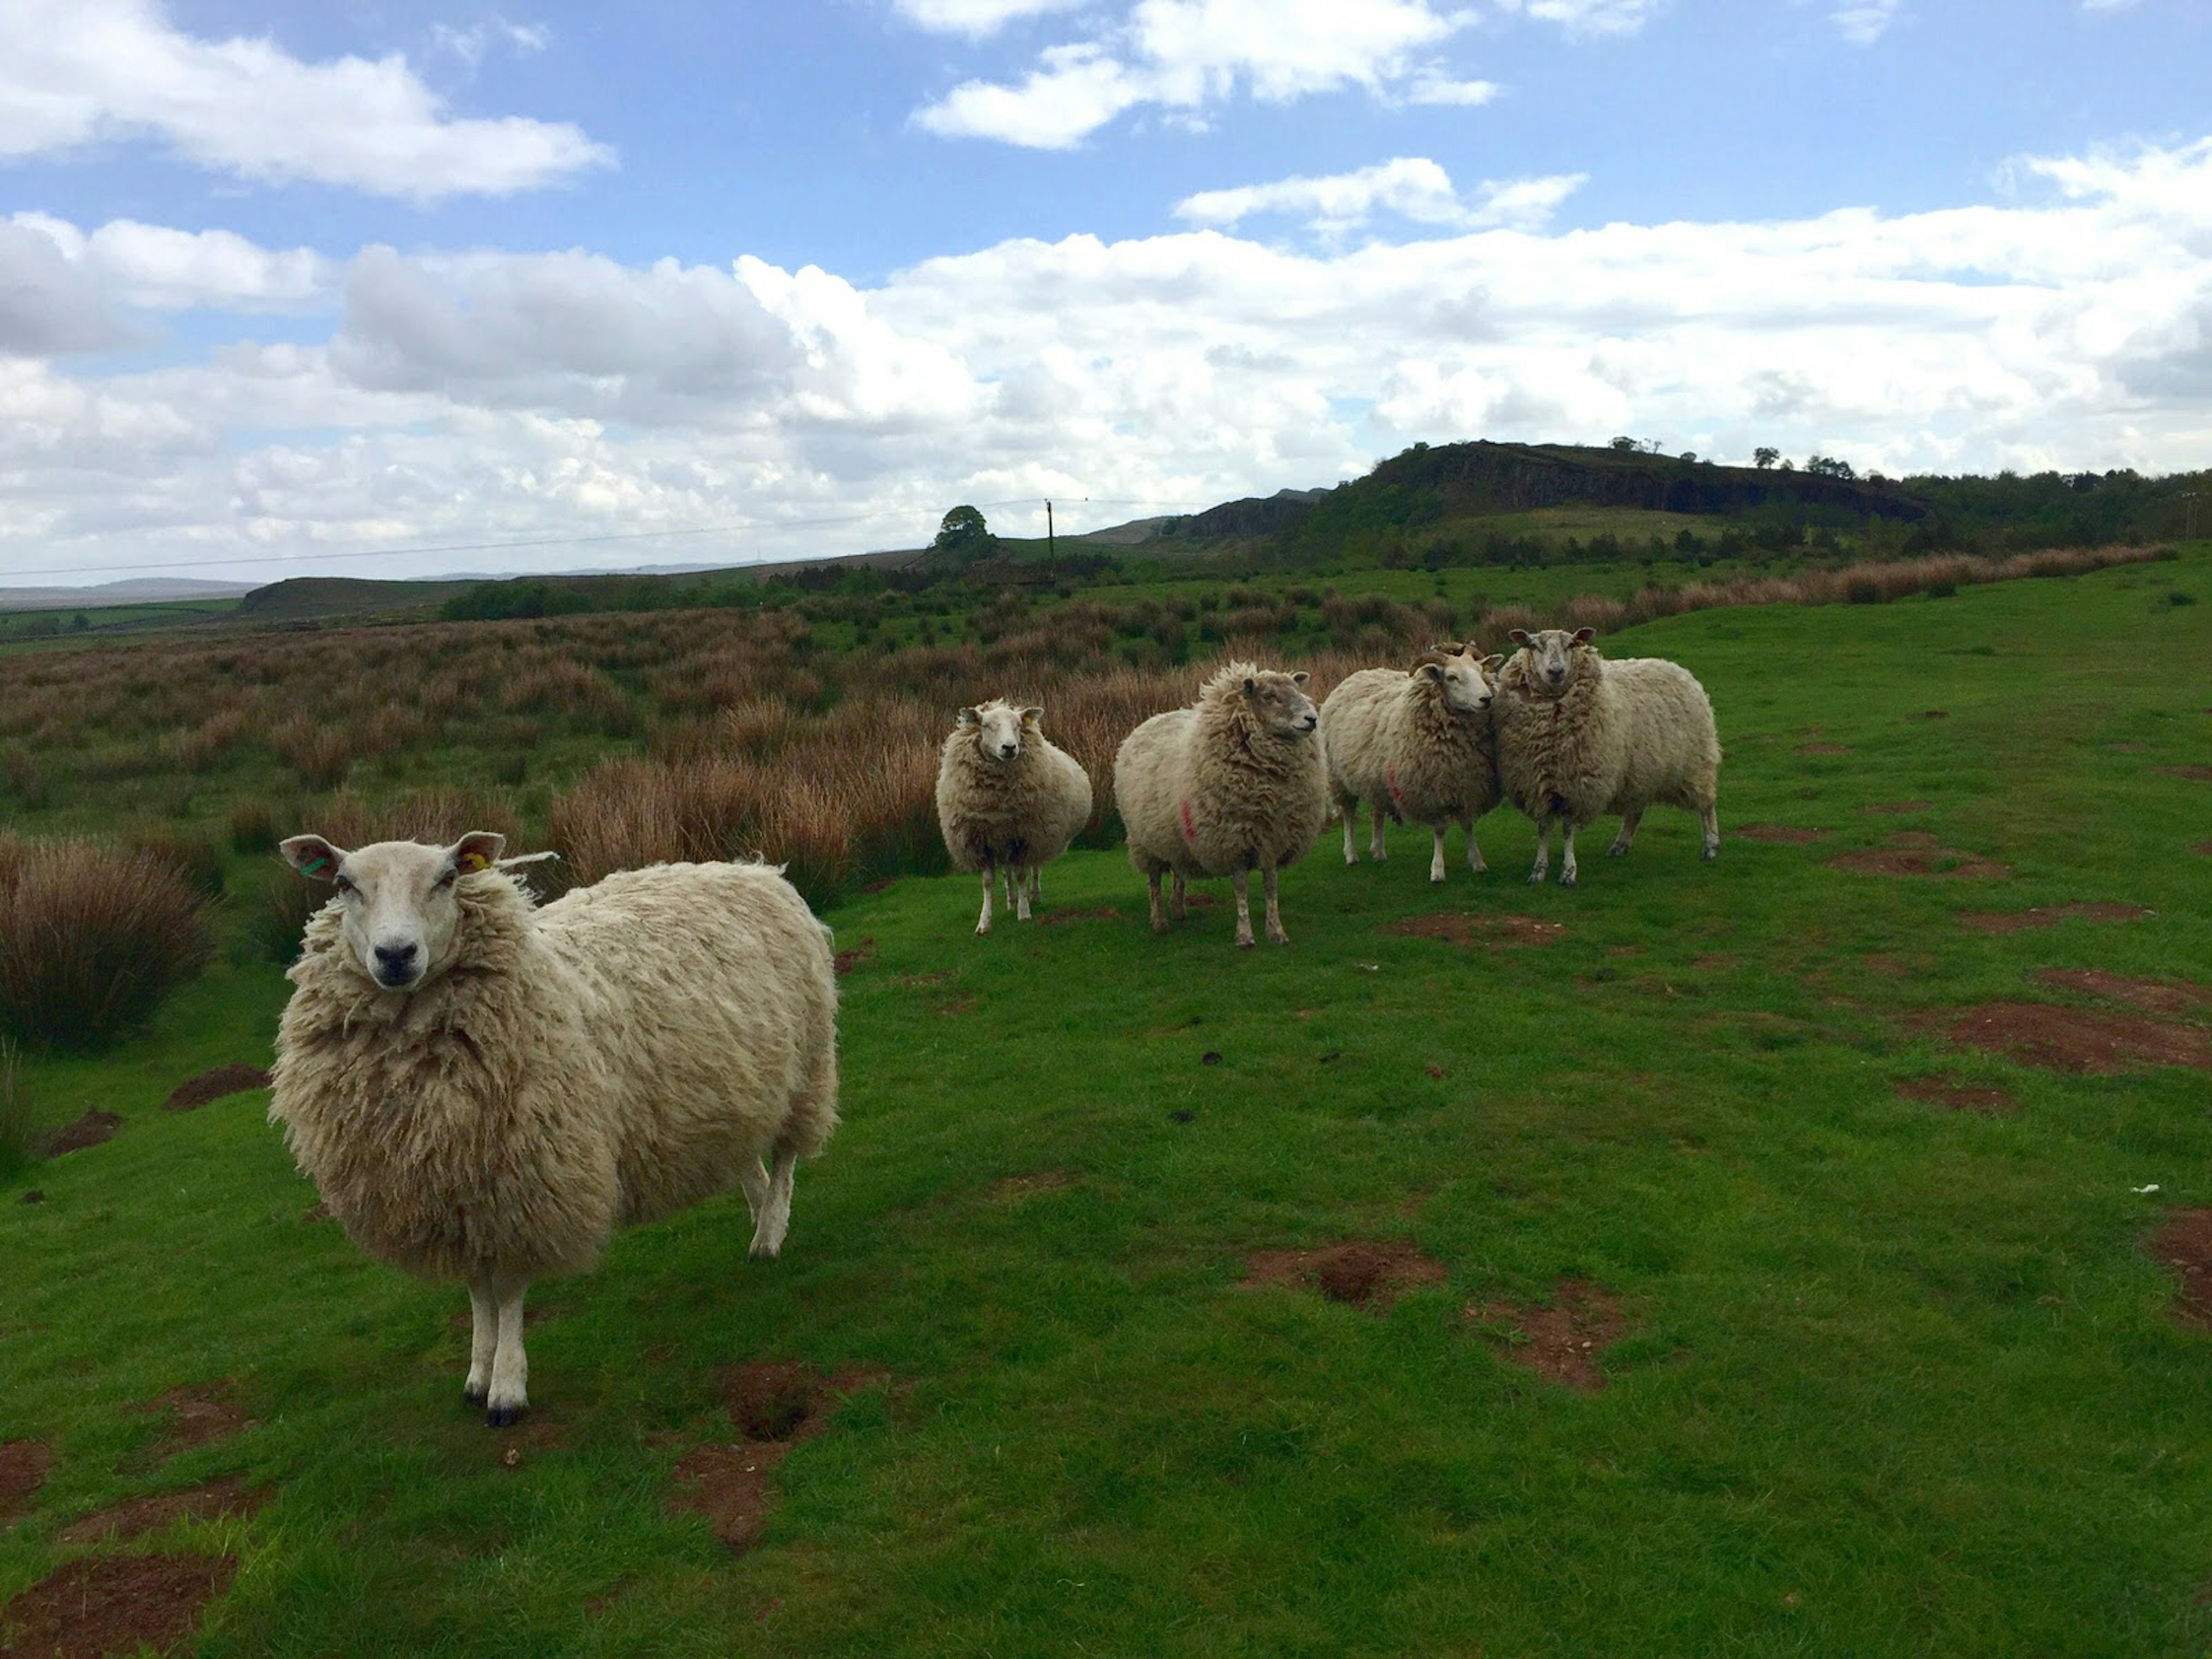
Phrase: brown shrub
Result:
[92,938]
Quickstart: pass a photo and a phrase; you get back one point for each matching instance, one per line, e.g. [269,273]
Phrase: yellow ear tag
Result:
[469,863]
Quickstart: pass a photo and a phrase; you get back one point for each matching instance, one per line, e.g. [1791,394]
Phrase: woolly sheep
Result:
[1234,784]
[1579,737]
[1417,744]
[485,1090]
[1007,799]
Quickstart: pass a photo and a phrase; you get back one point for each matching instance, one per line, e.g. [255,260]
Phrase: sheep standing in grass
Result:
[1235,784]
[485,1090]
[1007,799]
[1579,737]
[1416,745]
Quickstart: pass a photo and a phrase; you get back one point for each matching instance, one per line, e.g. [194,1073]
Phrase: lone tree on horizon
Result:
[962,536]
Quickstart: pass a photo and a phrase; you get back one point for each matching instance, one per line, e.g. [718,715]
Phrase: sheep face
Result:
[998,728]
[1280,705]
[1553,660]
[400,913]
[1463,678]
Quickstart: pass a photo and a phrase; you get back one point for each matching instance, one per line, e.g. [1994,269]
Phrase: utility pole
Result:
[2190,495]
[1052,547]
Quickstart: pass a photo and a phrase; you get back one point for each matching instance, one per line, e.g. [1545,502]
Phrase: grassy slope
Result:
[1898,1382]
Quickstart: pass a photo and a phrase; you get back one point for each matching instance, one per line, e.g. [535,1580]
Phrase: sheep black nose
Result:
[1007,751]
[1312,721]
[395,961]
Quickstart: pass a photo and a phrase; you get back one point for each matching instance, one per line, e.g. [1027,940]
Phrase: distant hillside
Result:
[300,597]
[143,590]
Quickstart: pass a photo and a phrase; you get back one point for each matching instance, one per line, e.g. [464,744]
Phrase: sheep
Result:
[1234,784]
[486,1090]
[1007,799]
[1416,745]
[1579,737]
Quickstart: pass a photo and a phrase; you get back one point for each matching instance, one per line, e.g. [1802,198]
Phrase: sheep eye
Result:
[446,880]
[345,886]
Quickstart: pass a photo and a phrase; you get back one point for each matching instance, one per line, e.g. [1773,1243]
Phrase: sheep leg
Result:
[1244,910]
[776,1213]
[1543,853]
[1349,810]
[509,1397]
[1437,857]
[1473,850]
[1567,852]
[1375,847]
[752,1178]
[983,922]
[1179,907]
[1275,933]
[1020,879]
[483,1339]
[1710,817]
[1152,891]
[1628,823]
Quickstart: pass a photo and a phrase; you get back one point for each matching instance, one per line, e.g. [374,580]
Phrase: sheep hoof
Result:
[475,1396]
[1566,879]
[1710,853]
[502,1417]
[1536,878]
[1617,850]
[1245,943]
[983,929]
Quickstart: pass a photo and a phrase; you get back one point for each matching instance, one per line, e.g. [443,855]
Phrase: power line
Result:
[538,541]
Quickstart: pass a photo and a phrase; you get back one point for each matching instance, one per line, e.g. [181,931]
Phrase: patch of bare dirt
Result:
[1894,808]
[1718,962]
[1095,913]
[2181,1000]
[23,1466]
[101,1605]
[2183,1244]
[90,1130]
[919,981]
[950,1005]
[200,1414]
[1014,1189]
[2203,849]
[1463,927]
[217,1500]
[1931,715]
[1823,749]
[1890,966]
[774,1407]
[853,955]
[195,1092]
[2199,774]
[1919,856]
[1912,838]
[1958,1096]
[1790,833]
[1560,1342]
[2012,921]
[1624,949]
[2066,1039]
[1361,1272]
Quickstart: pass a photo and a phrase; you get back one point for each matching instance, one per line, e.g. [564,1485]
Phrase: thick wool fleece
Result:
[1019,812]
[1209,790]
[1617,737]
[606,1060]
[1391,739]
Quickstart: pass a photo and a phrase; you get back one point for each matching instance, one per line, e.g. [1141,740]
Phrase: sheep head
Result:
[400,913]
[1463,677]
[1555,656]
[1279,702]
[998,727]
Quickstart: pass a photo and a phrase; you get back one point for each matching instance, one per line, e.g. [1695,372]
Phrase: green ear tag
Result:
[310,869]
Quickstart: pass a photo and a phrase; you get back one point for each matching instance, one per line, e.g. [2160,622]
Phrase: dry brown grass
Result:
[92,938]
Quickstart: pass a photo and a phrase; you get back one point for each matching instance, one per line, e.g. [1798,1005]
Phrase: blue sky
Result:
[323,287]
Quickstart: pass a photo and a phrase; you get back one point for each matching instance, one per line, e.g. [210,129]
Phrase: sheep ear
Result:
[312,856]
[1030,716]
[1495,661]
[1584,635]
[1518,636]
[1432,670]
[477,850]
[966,717]
[1300,678]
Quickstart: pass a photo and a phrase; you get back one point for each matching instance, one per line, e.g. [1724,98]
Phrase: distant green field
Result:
[1889,1379]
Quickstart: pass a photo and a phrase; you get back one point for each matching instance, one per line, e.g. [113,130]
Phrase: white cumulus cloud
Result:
[1185,54]
[1411,187]
[75,73]
[976,17]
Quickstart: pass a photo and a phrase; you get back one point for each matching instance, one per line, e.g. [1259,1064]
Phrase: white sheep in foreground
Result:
[1233,785]
[485,1090]
[1416,745]
[1579,737]
[1007,799]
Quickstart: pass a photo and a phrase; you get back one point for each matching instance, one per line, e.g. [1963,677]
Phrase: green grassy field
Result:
[1891,1380]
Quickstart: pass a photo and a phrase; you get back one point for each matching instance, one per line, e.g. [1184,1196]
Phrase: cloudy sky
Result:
[401,287]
